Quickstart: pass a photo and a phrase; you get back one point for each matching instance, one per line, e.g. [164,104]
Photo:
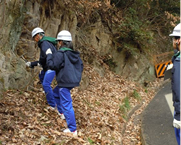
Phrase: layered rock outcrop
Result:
[19,17]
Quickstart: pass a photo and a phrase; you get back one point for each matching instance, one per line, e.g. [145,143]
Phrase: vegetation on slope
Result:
[104,106]
[102,111]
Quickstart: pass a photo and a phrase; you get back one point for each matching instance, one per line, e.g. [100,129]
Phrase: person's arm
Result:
[32,64]
[35,63]
[82,66]
[43,48]
[45,45]
[54,61]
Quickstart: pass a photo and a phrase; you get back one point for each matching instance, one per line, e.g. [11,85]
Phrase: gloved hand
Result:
[48,51]
[170,66]
[28,64]
[38,64]
[176,124]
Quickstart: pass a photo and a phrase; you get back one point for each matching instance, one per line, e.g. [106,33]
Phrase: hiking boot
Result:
[61,115]
[68,131]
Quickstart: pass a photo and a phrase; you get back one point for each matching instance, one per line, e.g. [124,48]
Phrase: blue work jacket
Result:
[176,84]
[68,66]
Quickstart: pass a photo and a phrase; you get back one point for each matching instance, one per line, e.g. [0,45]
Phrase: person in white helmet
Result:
[68,66]
[46,75]
[176,80]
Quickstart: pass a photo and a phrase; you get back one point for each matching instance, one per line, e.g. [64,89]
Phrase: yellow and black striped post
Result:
[161,68]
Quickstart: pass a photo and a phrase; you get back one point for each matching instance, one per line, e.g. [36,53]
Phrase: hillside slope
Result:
[117,45]
[106,113]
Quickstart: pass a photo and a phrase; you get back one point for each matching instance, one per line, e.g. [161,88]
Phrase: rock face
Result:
[19,17]
[13,72]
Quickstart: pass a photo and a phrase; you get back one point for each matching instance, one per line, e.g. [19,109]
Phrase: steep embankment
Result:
[105,113]
[105,103]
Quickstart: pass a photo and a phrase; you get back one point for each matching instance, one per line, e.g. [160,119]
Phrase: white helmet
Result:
[64,35]
[36,31]
[176,31]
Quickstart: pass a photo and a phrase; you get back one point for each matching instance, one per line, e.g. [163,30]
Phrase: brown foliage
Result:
[25,120]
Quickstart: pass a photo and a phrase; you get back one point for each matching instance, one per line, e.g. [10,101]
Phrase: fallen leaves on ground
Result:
[102,114]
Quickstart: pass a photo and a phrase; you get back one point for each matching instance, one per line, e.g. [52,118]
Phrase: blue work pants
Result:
[46,79]
[177,135]
[57,99]
[67,108]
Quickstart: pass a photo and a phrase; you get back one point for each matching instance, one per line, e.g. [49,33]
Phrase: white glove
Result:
[38,64]
[169,66]
[176,124]
[48,51]
[28,64]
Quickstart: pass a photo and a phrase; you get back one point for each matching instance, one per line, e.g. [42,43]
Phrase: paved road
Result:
[157,119]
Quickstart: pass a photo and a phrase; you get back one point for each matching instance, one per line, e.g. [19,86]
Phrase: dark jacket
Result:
[176,84]
[44,44]
[68,66]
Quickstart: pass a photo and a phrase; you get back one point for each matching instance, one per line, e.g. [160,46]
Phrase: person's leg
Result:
[66,103]
[177,135]
[48,78]
[41,76]
[57,99]
[177,131]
